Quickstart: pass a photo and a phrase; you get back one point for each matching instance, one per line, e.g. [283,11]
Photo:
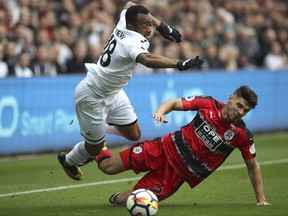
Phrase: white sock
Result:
[77,155]
[112,130]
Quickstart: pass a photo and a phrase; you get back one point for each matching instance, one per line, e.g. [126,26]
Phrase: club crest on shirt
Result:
[252,149]
[189,98]
[137,150]
[228,135]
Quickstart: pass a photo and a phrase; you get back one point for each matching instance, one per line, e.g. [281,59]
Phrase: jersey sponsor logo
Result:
[208,136]
[137,150]
[228,135]
[189,98]
[252,149]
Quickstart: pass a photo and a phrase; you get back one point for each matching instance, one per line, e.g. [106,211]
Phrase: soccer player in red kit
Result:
[192,153]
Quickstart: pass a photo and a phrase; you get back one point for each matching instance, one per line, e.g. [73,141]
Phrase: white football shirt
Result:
[117,60]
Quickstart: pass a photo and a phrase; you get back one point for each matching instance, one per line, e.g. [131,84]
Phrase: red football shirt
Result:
[201,146]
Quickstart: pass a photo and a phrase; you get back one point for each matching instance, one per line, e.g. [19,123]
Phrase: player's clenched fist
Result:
[190,63]
[170,33]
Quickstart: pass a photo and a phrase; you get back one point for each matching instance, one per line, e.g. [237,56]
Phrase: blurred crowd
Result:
[56,37]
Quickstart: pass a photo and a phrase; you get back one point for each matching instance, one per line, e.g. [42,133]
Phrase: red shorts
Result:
[150,156]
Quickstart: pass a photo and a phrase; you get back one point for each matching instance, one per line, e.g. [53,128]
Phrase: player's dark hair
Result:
[133,11]
[247,94]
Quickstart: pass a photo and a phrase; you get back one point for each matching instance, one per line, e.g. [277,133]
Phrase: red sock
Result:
[103,155]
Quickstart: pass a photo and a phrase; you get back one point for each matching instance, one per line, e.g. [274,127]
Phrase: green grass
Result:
[226,192]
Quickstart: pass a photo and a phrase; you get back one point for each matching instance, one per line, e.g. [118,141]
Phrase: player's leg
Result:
[109,163]
[131,132]
[90,113]
[78,156]
[163,182]
[148,156]
[122,118]
[120,198]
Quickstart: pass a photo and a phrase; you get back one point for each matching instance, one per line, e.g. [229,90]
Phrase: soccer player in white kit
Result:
[101,104]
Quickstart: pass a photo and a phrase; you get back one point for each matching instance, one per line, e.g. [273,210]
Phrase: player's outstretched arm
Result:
[256,180]
[165,108]
[152,60]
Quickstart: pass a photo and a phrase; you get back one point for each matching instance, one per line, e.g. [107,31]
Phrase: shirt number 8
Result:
[108,50]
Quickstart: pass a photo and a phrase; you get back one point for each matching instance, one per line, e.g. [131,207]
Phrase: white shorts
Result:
[94,112]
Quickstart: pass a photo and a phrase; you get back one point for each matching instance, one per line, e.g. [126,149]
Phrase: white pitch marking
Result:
[236,166]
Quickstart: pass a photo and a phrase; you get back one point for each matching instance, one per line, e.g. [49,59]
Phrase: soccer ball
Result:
[142,202]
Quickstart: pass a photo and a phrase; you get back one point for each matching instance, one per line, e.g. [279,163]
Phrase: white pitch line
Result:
[236,166]
[70,186]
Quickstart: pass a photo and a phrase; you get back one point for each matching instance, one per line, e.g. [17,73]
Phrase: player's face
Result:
[144,25]
[235,109]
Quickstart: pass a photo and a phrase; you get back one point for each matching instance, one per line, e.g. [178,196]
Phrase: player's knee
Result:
[135,136]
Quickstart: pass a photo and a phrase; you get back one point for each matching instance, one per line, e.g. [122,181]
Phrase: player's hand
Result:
[159,118]
[263,203]
[190,63]
[170,33]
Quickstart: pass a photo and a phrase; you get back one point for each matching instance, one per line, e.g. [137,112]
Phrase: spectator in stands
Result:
[55,67]
[47,21]
[282,35]
[243,62]
[62,11]
[40,65]
[3,34]
[274,59]
[28,42]
[62,36]
[22,69]
[227,56]
[4,17]
[211,57]
[24,18]
[186,49]
[18,37]
[266,40]
[76,63]
[285,53]
[3,64]
[10,56]
[247,43]
[75,25]
[42,37]
[94,51]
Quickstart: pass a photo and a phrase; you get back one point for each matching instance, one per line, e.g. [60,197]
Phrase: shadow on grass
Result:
[64,209]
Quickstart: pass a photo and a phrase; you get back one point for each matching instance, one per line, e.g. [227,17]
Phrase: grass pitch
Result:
[37,185]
